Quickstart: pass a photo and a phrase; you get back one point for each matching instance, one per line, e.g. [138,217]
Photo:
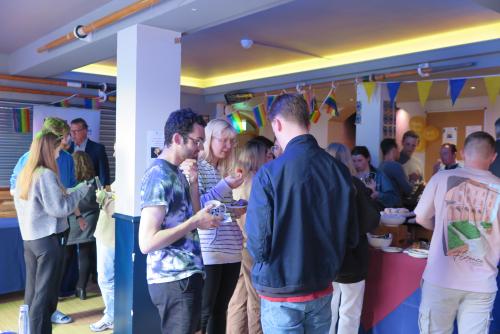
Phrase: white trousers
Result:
[347,304]
[440,306]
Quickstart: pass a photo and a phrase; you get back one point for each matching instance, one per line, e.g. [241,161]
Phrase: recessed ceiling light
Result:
[472,87]
[194,9]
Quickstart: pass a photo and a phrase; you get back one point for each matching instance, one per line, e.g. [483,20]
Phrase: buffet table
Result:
[392,295]
[12,268]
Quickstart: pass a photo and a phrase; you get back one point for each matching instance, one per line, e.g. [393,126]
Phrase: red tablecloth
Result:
[392,277]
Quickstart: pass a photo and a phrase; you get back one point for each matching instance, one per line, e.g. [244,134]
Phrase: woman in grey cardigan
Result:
[42,205]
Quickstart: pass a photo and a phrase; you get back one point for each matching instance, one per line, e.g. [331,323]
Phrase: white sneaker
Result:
[101,325]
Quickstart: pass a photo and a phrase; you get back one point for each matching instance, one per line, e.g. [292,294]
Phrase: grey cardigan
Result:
[45,211]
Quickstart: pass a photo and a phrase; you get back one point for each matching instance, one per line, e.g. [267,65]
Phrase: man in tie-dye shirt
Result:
[167,232]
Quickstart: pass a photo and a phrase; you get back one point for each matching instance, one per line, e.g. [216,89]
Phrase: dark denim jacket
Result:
[298,220]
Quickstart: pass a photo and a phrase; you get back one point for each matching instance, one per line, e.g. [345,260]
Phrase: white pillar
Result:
[369,132]
[148,82]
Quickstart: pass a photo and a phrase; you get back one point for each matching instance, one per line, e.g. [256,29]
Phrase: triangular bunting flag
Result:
[235,120]
[393,88]
[259,115]
[456,86]
[63,103]
[369,89]
[269,101]
[492,87]
[331,104]
[424,88]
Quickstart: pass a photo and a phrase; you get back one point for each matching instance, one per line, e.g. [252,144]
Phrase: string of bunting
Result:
[330,105]
[88,103]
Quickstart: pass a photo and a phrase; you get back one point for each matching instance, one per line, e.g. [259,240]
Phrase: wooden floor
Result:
[83,312]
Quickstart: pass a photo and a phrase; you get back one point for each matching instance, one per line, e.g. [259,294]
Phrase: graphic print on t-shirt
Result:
[471,209]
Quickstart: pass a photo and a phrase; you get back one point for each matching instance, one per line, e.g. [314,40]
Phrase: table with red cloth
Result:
[392,295]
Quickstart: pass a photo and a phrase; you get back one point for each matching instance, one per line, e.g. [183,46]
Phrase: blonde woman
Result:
[42,205]
[349,285]
[221,247]
[243,315]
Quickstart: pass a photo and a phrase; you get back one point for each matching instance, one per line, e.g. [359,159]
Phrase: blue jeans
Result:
[106,277]
[307,317]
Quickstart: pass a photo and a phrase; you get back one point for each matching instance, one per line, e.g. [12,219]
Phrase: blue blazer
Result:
[99,159]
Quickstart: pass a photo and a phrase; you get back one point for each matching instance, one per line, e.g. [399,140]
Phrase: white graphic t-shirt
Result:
[465,246]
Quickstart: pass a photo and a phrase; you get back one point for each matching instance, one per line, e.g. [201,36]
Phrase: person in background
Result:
[66,170]
[221,247]
[268,143]
[349,285]
[168,226]
[495,166]
[380,185]
[297,225]
[81,236]
[97,152]
[459,280]
[243,315]
[105,246]
[276,149]
[411,165]
[42,205]
[393,169]
[448,154]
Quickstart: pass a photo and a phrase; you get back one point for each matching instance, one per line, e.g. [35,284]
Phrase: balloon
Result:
[431,133]
[417,124]
[421,145]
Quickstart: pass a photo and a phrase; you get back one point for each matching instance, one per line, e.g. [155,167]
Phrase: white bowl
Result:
[392,219]
[378,242]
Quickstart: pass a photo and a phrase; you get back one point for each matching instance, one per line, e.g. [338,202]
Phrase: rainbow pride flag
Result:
[63,103]
[235,120]
[260,115]
[315,115]
[331,104]
[21,120]
[270,99]
[92,103]
[308,98]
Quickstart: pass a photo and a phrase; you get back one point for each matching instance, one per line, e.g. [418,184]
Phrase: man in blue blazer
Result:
[80,142]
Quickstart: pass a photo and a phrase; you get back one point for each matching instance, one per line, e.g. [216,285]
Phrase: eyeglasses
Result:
[198,142]
[229,141]
[76,130]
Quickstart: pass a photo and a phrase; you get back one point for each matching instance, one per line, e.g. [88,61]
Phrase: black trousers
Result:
[179,304]
[43,258]
[84,253]
[220,282]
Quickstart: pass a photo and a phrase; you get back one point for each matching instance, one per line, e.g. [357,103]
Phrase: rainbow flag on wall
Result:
[235,120]
[260,115]
[331,104]
[21,120]
[270,99]
[91,103]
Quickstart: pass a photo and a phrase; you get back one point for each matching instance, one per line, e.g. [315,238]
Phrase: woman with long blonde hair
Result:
[42,205]
[221,247]
[243,315]
[349,285]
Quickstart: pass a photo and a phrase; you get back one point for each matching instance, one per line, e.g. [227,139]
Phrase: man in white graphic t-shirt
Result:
[462,207]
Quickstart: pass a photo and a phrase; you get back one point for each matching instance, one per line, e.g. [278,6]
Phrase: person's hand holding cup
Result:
[189,168]
[234,180]
[205,220]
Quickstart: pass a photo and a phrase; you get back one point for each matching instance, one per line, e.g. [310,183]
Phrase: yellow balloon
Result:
[421,145]
[417,124]
[431,133]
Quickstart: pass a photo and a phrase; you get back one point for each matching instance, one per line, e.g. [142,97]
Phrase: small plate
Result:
[392,249]
[417,253]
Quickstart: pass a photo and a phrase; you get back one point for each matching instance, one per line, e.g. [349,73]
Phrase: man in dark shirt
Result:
[393,169]
[495,166]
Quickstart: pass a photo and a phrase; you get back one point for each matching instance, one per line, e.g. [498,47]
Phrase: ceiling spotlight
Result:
[246,43]
[472,87]
[194,9]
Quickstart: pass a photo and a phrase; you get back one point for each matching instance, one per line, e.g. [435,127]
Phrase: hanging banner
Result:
[259,114]
[456,86]
[492,87]
[370,88]
[424,88]
[393,88]
[92,117]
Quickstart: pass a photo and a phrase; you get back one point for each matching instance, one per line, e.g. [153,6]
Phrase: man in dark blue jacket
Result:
[297,224]
[80,142]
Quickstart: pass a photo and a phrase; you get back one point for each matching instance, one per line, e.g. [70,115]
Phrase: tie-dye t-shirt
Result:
[465,246]
[165,185]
